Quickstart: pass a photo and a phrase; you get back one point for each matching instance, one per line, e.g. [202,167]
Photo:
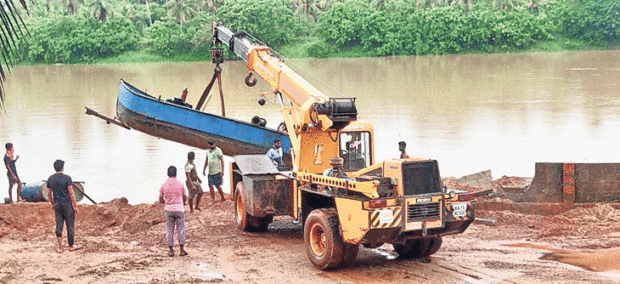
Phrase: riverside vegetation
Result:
[108,31]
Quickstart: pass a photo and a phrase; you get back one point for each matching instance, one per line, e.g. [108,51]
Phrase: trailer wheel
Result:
[322,239]
[242,218]
[413,248]
[435,245]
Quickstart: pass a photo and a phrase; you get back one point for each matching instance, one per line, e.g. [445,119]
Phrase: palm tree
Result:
[467,3]
[100,9]
[181,10]
[12,29]
[311,8]
[211,6]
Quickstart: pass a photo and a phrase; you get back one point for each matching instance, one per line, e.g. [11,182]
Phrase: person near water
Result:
[11,171]
[172,195]
[401,147]
[62,197]
[215,161]
[192,182]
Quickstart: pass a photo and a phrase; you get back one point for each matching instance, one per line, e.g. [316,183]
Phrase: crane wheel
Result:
[322,239]
[263,223]
[413,248]
[350,253]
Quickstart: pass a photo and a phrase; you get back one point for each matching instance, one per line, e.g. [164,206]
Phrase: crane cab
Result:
[356,146]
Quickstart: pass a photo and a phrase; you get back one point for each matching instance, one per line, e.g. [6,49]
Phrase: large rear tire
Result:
[413,248]
[322,239]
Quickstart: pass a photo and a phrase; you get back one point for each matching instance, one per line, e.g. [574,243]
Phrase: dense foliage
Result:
[597,22]
[72,40]
[447,29]
[70,32]
[268,20]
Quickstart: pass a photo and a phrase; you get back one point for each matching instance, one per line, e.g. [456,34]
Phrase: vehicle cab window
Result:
[355,150]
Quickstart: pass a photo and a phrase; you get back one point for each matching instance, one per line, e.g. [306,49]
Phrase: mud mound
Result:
[511,182]
[594,213]
[91,219]
[451,182]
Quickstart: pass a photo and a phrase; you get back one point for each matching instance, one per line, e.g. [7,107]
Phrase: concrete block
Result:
[483,180]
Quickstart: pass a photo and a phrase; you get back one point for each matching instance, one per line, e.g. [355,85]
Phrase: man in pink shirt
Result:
[172,195]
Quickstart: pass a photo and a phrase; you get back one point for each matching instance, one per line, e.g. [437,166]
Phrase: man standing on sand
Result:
[401,147]
[172,194]
[193,182]
[11,172]
[64,204]
[215,161]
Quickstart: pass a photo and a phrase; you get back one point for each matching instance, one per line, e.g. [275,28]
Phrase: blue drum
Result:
[37,191]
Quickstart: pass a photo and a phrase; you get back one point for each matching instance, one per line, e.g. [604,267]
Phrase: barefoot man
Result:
[60,193]
[11,171]
[172,195]
[192,182]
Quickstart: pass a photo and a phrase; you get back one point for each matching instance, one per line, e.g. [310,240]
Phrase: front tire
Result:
[350,253]
[435,246]
[263,223]
[322,239]
[413,248]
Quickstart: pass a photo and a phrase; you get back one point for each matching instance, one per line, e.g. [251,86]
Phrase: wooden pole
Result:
[219,83]
[82,192]
[207,90]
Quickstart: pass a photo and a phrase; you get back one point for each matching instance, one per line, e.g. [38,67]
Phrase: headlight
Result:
[452,194]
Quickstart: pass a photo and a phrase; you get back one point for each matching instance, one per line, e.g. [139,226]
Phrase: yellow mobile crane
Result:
[335,188]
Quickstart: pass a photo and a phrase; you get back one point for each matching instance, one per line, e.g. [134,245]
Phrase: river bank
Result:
[125,243]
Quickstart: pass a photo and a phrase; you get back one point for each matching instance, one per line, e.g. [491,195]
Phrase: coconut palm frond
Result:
[12,28]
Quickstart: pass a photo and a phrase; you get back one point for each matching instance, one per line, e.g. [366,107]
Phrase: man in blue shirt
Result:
[275,154]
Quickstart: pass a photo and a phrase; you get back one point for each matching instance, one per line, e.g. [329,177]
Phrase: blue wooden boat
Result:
[176,121]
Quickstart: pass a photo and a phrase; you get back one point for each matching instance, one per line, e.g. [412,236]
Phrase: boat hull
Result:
[185,125]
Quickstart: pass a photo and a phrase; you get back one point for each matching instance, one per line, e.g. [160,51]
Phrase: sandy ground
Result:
[125,244]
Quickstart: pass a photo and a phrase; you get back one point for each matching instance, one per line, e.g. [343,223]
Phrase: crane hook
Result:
[249,81]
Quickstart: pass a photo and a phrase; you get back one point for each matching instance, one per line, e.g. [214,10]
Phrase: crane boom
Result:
[313,108]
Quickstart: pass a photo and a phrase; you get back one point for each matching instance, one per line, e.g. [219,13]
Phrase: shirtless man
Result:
[192,182]
[11,172]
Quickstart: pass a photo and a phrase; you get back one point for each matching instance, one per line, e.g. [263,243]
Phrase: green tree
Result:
[271,21]
[165,37]
[211,6]
[343,23]
[100,9]
[181,10]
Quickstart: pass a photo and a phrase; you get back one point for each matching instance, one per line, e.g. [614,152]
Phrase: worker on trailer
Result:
[275,154]
[401,147]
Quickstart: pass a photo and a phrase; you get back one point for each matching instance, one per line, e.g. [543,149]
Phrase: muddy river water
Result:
[500,112]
